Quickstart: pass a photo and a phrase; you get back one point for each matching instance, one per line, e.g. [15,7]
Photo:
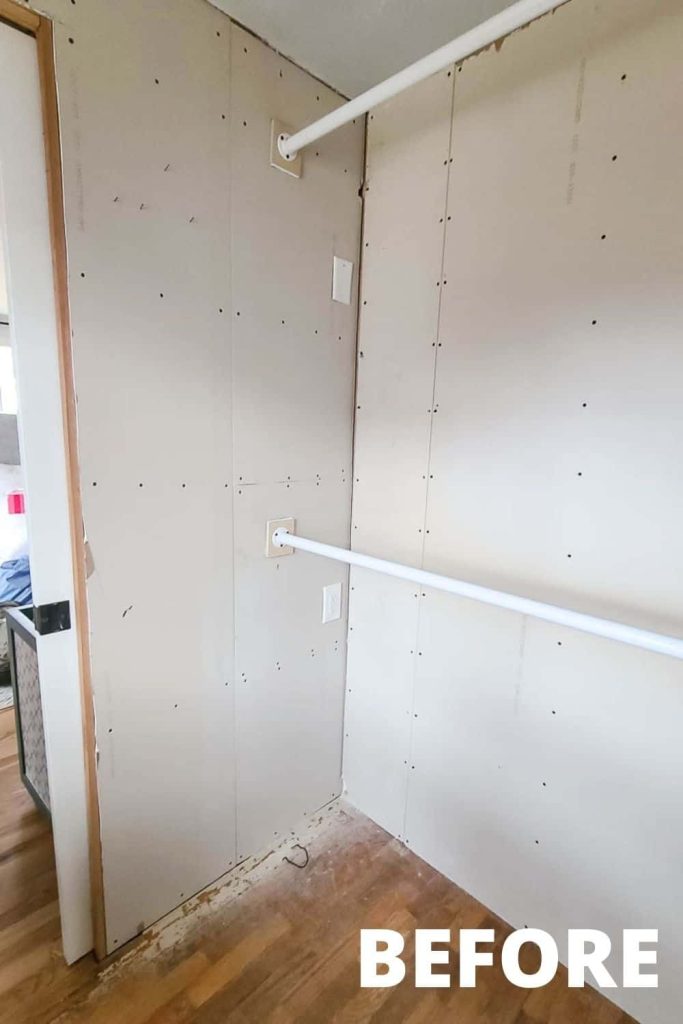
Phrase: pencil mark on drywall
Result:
[126,610]
[575,144]
[578,111]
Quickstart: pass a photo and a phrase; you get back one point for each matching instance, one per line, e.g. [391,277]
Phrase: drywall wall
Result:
[518,424]
[194,269]
[293,384]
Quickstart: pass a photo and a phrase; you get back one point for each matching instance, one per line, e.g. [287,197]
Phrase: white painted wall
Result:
[505,437]
[13,539]
[4,307]
[187,252]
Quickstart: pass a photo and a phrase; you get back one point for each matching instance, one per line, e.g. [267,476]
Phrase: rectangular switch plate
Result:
[342,277]
[332,602]
[272,551]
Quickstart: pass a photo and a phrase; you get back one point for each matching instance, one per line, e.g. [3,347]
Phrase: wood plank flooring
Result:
[273,944]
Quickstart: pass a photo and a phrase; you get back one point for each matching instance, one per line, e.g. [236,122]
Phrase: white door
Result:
[26,237]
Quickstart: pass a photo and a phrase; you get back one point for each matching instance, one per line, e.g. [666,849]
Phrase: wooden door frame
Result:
[40,27]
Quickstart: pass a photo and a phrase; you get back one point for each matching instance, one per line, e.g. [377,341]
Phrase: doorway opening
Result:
[48,797]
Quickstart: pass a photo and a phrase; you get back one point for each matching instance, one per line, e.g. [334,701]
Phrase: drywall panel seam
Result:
[421,595]
[233,528]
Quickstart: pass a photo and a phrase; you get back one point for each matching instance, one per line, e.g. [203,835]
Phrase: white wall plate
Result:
[272,550]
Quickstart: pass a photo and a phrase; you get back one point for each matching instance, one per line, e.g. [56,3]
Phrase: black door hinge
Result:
[52,618]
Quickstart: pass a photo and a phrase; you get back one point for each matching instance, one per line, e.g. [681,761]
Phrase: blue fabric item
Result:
[15,581]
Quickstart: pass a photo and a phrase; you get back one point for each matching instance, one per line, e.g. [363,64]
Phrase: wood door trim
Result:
[21,17]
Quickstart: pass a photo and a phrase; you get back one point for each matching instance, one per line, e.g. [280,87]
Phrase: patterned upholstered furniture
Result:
[28,709]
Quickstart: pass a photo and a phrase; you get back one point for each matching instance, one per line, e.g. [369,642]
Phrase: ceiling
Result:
[353,44]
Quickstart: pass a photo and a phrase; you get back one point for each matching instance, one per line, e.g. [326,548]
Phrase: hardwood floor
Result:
[273,943]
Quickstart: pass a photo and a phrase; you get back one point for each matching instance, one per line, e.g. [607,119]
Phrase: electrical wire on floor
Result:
[298,846]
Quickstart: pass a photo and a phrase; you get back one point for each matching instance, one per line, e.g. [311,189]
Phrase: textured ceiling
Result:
[353,44]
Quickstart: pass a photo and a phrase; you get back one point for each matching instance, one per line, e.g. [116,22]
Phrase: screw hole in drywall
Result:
[71,40]
[614,158]
[623,77]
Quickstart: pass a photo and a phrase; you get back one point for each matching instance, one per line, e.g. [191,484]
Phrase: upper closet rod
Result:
[495,28]
[284,539]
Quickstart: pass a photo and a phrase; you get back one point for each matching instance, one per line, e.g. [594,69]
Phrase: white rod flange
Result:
[657,642]
[488,32]
[282,140]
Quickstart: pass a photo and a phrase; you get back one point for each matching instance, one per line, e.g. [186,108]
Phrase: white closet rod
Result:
[657,642]
[488,32]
